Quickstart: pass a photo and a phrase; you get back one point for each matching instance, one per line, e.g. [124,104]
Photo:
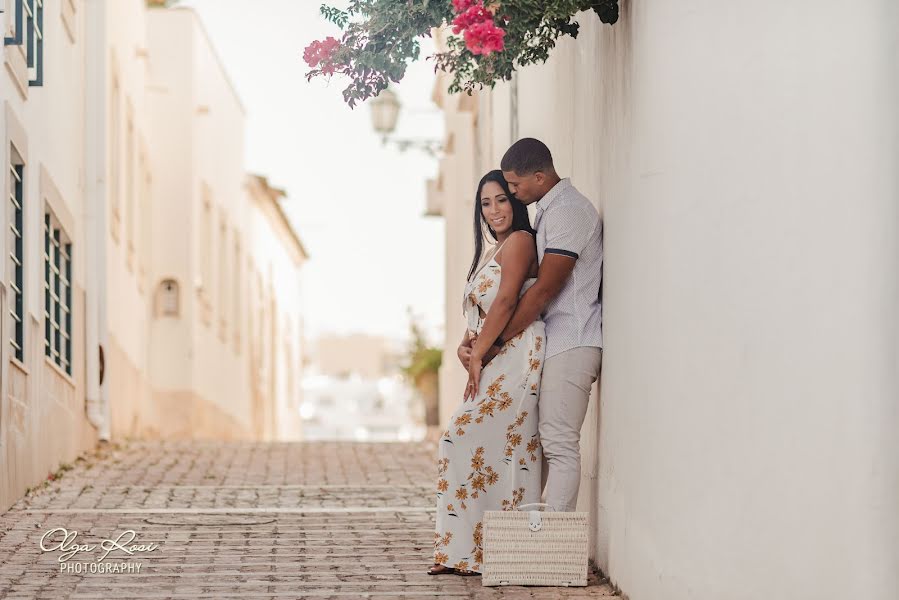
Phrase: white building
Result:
[744,158]
[151,286]
[365,355]
[43,358]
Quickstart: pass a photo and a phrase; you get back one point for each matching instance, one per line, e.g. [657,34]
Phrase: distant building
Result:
[368,356]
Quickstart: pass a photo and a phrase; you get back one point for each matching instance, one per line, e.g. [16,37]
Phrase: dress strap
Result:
[486,262]
[496,250]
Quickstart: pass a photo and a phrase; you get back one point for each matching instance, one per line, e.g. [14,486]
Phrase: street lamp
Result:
[385,110]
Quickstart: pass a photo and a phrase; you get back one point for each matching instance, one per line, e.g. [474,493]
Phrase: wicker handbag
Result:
[534,547]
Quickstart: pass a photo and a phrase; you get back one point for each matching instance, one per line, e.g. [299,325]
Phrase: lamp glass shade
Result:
[385,108]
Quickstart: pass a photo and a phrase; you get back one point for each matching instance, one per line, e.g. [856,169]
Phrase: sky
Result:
[357,204]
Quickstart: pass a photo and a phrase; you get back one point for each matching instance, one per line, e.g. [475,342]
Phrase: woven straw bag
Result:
[534,547]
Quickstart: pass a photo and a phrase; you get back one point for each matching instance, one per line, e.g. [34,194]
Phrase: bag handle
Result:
[543,504]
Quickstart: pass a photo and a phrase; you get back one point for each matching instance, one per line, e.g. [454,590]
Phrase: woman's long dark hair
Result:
[520,219]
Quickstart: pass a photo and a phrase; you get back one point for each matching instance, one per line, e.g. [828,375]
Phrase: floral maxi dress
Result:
[489,458]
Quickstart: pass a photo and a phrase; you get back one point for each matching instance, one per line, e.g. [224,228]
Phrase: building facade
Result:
[151,287]
[744,163]
[46,290]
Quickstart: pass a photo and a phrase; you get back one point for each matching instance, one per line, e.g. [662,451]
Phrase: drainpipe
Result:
[95,211]
[513,108]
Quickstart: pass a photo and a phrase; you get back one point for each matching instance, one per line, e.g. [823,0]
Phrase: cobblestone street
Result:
[241,520]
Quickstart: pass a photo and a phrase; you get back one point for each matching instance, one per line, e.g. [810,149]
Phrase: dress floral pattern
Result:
[489,457]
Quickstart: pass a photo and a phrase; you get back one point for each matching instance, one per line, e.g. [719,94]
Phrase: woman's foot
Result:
[439,569]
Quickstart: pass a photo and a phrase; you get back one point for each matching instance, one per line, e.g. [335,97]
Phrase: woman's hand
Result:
[464,350]
[464,354]
[474,376]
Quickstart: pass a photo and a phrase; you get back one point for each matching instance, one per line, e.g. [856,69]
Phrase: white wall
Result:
[453,194]
[205,356]
[126,308]
[744,157]
[217,159]
[281,342]
[752,272]
[175,193]
[42,418]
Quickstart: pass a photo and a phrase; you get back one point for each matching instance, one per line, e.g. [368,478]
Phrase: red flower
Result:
[475,22]
[461,6]
[320,52]
[472,16]
[484,38]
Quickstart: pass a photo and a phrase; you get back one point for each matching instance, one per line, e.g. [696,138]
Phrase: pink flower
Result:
[475,22]
[320,52]
[473,15]
[460,6]
[484,38]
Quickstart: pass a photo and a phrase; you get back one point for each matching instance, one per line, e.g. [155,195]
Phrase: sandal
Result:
[439,569]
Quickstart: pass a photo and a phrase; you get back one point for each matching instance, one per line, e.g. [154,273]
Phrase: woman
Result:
[489,457]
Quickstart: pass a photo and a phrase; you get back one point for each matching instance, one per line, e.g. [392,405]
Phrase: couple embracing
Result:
[532,348]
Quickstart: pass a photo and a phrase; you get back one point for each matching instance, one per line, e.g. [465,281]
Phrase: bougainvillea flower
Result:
[484,37]
[320,52]
[460,6]
[474,15]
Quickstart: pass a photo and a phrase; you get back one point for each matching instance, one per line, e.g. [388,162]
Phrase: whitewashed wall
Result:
[452,195]
[42,418]
[744,157]
[279,265]
[204,358]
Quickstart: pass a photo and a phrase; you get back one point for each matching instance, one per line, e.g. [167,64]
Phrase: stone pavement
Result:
[239,520]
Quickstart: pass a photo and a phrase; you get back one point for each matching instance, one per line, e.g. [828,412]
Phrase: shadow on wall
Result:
[613,69]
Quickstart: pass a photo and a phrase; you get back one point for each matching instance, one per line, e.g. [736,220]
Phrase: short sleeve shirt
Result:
[568,224]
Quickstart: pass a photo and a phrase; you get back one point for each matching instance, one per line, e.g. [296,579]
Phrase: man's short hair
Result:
[527,156]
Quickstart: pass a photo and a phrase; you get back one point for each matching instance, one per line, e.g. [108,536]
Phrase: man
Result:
[566,293]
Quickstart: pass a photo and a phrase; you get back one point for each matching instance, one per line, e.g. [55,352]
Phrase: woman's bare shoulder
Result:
[520,245]
[521,236]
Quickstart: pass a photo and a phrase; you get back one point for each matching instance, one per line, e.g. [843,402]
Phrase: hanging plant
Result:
[489,39]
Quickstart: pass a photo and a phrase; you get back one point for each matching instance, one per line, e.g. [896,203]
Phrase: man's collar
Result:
[563,184]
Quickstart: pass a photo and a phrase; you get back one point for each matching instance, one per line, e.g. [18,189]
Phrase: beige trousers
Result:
[565,388]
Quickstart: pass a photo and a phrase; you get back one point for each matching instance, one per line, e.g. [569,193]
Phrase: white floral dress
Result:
[489,457]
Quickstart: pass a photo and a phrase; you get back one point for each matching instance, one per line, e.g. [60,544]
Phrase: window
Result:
[145,211]
[16,253]
[10,19]
[67,10]
[168,299]
[222,295]
[57,294]
[28,31]
[206,251]
[114,128]
[288,363]
[235,300]
[259,329]
[129,185]
[34,29]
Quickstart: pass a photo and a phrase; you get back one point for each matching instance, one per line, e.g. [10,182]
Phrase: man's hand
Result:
[491,354]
